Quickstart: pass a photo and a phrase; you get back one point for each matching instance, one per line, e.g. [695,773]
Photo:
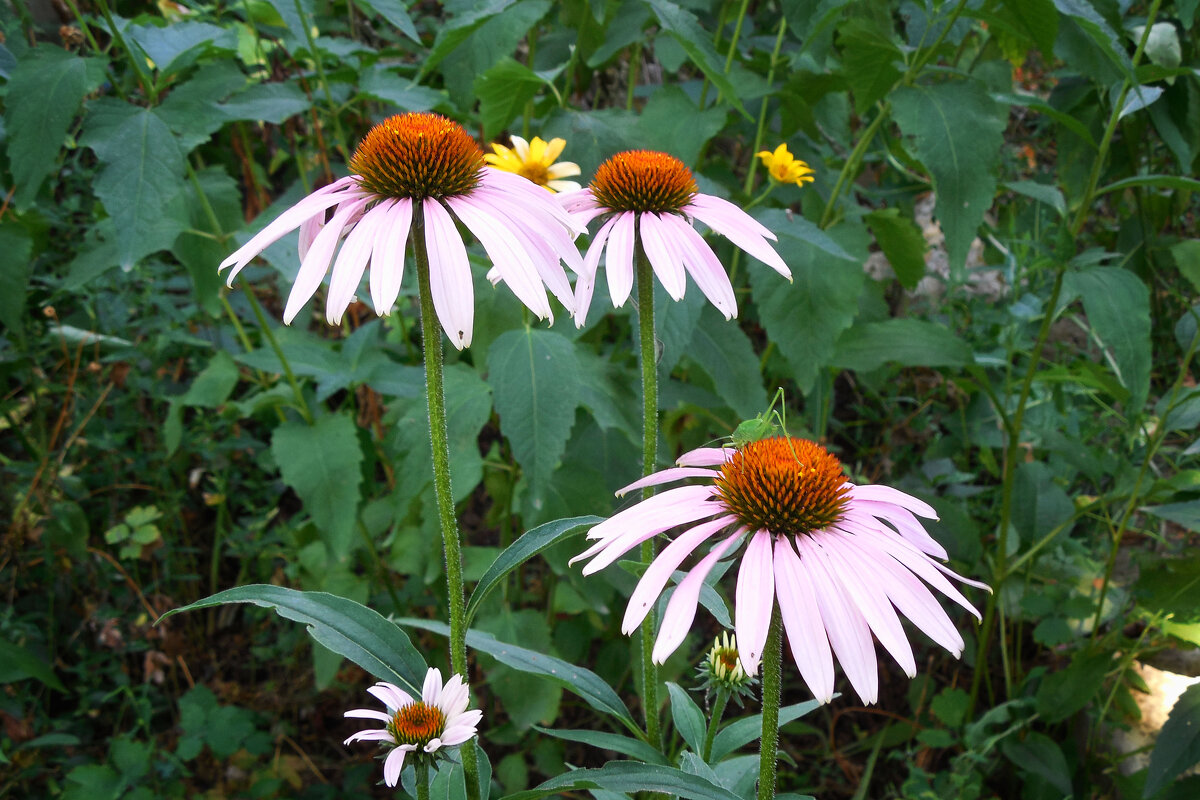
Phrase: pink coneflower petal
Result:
[511,259]
[393,765]
[702,264]
[706,457]
[655,578]
[387,265]
[586,283]
[738,227]
[350,265]
[390,695]
[316,263]
[374,735]
[618,260]
[753,600]
[665,261]
[432,687]
[681,609]
[902,520]
[802,620]
[667,476]
[680,508]
[449,275]
[367,713]
[886,494]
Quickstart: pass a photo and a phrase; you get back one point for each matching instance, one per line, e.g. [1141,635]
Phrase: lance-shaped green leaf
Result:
[1178,745]
[902,242]
[524,548]
[456,30]
[395,13]
[44,93]
[348,628]
[580,680]
[907,342]
[958,134]
[726,354]
[625,745]
[697,43]
[743,731]
[629,777]
[1118,311]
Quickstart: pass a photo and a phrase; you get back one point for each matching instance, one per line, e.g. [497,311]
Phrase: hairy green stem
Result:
[649,358]
[421,765]
[772,692]
[431,335]
[714,723]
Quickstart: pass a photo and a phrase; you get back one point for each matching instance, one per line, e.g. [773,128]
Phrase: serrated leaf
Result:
[958,135]
[351,629]
[906,342]
[902,242]
[671,122]
[630,777]
[1088,19]
[524,548]
[580,680]
[725,353]
[395,13]
[265,102]
[805,317]
[869,62]
[385,85]
[683,26]
[503,92]
[176,46]
[456,30]
[16,250]
[44,94]
[321,464]
[142,175]
[688,718]
[1118,311]
[535,377]
[1178,745]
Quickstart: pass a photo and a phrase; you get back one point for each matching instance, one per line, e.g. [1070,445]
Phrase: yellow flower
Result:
[785,168]
[535,161]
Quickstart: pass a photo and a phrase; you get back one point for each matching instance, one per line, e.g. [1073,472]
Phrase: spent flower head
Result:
[439,719]
[414,178]
[535,160]
[646,202]
[784,167]
[841,559]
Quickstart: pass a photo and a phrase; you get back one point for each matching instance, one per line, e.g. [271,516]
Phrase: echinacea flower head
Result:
[722,668]
[421,726]
[535,160]
[647,201]
[414,176]
[841,559]
[784,167]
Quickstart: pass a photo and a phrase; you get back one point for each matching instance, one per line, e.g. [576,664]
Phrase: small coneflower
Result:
[535,160]
[784,167]
[439,719]
[419,173]
[648,200]
[841,559]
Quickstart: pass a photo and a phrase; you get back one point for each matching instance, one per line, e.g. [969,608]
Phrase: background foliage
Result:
[1019,353]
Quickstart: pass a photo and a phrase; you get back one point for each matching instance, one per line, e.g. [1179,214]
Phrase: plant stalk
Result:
[772,692]
[422,768]
[714,723]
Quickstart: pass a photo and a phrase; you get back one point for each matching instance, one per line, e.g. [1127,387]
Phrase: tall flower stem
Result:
[422,768]
[649,356]
[772,691]
[714,723]
[431,336]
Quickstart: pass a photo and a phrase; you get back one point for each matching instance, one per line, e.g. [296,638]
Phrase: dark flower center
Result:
[643,180]
[417,156]
[784,486]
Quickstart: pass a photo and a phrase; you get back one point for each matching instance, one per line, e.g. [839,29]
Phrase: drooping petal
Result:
[706,457]
[507,254]
[754,600]
[738,227]
[635,525]
[618,258]
[351,263]
[392,766]
[801,615]
[886,494]
[387,264]
[681,609]
[316,263]
[704,267]
[375,735]
[449,275]
[367,713]
[655,578]
[390,695]
[586,283]
[663,258]
[666,476]
[906,524]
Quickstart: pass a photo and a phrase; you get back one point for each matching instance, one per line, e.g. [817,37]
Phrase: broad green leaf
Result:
[44,93]
[384,84]
[364,636]
[321,463]
[630,777]
[725,353]
[958,134]
[503,92]
[1118,312]
[1084,14]
[906,342]
[689,720]
[1041,755]
[1139,97]
[671,122]
[295,14]
[1171,586]
[527,698]
[18,663]
[1186,255]
[1039,19]
[265,102]
[1042,193]
[625,745]
[395,13]
[188,110]
[524,548]
[805,317]
[16,252]
[1153,181]
[456,30]
[869,60]
[141,177]
[1186,513]
[198,252]
[177,46]
[583,682]
[214,384]
[748,729]
[535,376]
[902,242]
[1178,745]
[1067,691]
[697,43]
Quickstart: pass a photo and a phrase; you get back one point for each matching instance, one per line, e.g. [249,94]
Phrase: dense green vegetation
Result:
[992,308]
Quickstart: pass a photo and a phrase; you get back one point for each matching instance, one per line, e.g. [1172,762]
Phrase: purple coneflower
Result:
[841,559]
[439,719]
[419,173]
[649,200]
